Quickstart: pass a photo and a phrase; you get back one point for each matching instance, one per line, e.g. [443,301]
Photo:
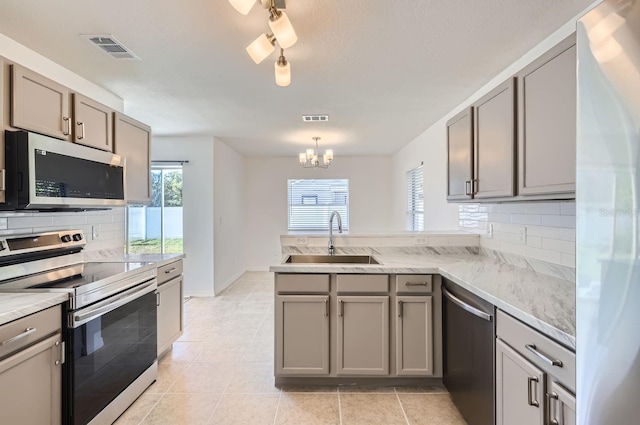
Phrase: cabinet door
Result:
[562,405]
[92,123]
[169,313]
[132,139]
[32,386]
[39,104]
[302,335]
[414,336]
[519,389]
[547,122]
[459,155]
[363,335]
[2,112]
[494,143]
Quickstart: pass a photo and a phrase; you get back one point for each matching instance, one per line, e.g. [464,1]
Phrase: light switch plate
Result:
[95,232]
[522,235]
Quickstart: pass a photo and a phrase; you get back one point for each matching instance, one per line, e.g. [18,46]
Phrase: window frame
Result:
[329,194]
[415,199]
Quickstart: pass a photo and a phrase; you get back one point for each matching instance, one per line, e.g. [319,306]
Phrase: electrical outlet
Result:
[95,232]
[489,232]
[302,241]
[422,240]
[522,235]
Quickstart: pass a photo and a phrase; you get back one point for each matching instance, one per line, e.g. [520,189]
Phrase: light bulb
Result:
[328,155]
[242,6]
[302,157]
[283,30]
[283,72]
[260,48]
[310,153]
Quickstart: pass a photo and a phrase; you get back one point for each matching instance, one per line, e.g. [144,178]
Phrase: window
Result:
[311,202]
[157,228]
[415,199]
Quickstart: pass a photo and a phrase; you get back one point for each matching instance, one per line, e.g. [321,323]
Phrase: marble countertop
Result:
[159,259]
[544,302]
[14,306]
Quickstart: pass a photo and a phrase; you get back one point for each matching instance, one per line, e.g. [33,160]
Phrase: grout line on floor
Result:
[275,417]
[150,410]
[339,405]
[402,407]
[214,409]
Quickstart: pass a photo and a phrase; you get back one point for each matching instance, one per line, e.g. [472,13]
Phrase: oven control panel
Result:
[15,246]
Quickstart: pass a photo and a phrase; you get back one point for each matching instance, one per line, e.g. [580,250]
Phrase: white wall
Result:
[197,198]
[430,147]
[228,215]
[111,222]
[265,197]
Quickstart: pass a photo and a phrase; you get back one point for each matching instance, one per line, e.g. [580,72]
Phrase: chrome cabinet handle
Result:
[326,307]
[467,187]
[416,283]
[400,308]
[530,400]
[547,360]
[66,129]
[553,409]
[474,186]
[81,124]
[340,308]
[171,270]
[24,334]
[157,299]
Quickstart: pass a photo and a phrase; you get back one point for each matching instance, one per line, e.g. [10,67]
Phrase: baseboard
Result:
[228,282]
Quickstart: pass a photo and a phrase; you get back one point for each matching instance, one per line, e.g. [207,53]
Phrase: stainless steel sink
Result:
[331,259]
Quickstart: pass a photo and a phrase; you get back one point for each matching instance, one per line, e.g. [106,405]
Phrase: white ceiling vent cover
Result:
[315,118]
[110,45]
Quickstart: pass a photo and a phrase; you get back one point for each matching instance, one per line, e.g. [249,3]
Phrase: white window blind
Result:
[415,199]
[311,202]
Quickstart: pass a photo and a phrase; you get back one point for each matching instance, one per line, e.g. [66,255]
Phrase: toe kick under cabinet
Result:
[357,326]
[170,295]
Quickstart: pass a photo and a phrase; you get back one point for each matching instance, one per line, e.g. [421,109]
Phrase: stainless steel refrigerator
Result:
[608,212]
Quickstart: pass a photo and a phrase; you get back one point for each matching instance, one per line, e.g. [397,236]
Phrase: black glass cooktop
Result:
[93,272]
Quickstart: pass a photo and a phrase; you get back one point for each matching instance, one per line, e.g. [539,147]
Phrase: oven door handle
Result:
[91,313]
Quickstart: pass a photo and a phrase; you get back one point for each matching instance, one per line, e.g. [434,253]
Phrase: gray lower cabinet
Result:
[363,335]
[414,335]
[302,335]
[31,353]
[170,305]
[562,405]
[547,122]
[519,389]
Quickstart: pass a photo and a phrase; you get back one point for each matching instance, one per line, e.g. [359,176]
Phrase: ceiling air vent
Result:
[315,118]
[110,45]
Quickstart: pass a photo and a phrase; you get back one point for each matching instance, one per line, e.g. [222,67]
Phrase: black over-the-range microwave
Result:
[43,173]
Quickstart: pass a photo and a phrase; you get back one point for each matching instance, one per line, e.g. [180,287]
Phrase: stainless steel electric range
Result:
[109,321]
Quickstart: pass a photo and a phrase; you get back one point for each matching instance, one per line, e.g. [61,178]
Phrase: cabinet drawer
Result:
[169,271]
[43,323]
[421,283]
[535,347]
[302,283]
[363,283]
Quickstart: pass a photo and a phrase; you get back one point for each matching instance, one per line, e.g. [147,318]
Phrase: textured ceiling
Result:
[383,71]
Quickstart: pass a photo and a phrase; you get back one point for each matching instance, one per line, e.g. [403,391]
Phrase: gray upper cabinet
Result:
[2,112]
[414,336]
[547,122]
[494,143]
[92,123]
[39,104]
[302,334]
[460,155]
[363,335]
[132,139]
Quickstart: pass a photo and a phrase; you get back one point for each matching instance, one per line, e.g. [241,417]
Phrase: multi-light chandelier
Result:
[281,32]
[311,158]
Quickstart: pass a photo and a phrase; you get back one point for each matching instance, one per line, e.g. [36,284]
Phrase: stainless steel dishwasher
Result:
[469,353]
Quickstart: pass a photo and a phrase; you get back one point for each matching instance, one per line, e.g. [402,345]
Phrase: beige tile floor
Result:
[221,372]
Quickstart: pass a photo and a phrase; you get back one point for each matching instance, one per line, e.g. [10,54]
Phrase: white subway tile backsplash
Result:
[549,227]
[3,223]
[560,246]
[32,221]
[567,221]
[69,220]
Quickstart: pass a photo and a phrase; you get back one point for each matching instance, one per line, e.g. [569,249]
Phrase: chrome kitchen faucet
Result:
[333,214]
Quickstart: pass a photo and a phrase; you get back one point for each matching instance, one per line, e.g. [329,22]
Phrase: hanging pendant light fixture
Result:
[282,32]
[283,70]
[242,6]
[312,159]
